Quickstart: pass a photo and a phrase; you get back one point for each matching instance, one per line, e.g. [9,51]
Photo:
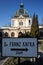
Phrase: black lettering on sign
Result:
[19,52]
[32,44]
[15,44]
[5,44]
[28,44]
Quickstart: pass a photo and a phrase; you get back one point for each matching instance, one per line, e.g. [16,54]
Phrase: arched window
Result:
[21,23]
[20,34]
[29,22]
[6,34]
[12,34]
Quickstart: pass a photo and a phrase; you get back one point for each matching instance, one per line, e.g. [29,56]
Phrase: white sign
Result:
[19,47]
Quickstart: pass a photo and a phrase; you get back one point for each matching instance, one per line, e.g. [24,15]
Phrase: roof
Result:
[40,26]
[21,11]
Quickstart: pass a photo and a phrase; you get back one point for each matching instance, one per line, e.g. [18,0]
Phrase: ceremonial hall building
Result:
[21,22]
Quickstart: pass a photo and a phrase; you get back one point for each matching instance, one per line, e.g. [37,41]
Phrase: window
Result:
[20,34]
[6,34]
[29,22]
[12,23]
[12,34]
[20,23]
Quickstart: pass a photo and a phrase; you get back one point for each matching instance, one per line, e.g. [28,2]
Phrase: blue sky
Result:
[9,7]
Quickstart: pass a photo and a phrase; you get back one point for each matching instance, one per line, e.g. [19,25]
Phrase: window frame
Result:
[20,23]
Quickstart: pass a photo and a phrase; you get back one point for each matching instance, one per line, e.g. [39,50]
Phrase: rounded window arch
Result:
[6,34]
[20,23]
[20,34]
[12,34]
[29,22]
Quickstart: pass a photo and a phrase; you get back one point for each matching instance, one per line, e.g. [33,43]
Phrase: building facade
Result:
[21,22]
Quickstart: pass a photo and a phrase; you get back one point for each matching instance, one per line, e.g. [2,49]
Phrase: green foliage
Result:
[34,28]
[27,34]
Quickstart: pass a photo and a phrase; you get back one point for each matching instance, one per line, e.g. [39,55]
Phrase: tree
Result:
[27,34]
[35,28]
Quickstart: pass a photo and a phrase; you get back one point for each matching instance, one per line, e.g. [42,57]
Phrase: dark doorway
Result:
[12,34]
[6,34]
[19,34]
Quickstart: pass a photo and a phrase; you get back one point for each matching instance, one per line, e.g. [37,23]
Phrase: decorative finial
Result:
[21,5]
